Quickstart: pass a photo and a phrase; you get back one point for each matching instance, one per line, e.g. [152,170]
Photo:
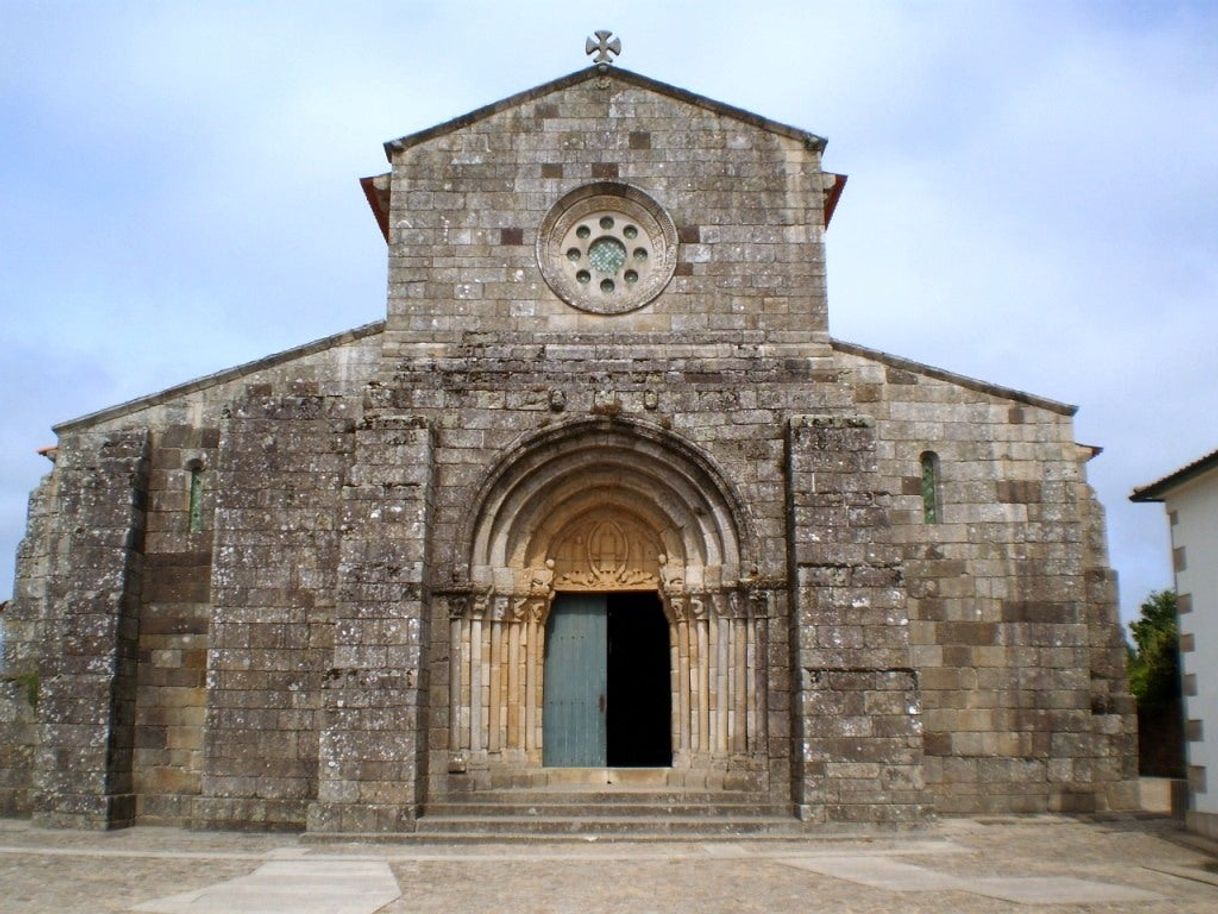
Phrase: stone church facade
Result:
[601,492]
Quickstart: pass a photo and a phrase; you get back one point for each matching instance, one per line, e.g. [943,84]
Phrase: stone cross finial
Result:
[606,47]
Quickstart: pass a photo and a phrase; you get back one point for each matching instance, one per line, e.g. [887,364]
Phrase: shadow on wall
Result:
[1161,740]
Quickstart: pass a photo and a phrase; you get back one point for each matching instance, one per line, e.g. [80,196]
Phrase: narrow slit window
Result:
[932,504]
[196,499]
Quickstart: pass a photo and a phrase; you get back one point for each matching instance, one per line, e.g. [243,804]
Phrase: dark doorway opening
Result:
[639,713]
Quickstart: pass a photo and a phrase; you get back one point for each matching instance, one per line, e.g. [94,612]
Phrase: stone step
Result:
[796,838]
[641,807]
[611,796]
[583,826]
[601,777]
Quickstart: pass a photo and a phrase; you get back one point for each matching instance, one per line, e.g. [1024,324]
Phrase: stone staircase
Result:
[630,814]
[589,804]
[596,805]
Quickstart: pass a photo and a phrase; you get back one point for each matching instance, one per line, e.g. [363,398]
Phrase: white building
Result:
[1190,496]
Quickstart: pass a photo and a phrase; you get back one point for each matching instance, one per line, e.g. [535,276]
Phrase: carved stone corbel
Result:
[672,575]
[541,579]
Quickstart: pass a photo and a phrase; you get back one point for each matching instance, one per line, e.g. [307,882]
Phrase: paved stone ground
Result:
[962,865]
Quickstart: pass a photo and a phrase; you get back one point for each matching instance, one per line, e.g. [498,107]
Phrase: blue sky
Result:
[1031,200]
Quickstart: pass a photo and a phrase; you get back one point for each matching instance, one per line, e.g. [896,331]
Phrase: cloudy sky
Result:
[1032,194]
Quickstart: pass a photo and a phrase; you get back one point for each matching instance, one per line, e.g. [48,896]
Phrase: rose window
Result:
[607,249]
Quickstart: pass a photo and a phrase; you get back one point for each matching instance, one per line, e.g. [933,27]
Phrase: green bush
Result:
[1154,658]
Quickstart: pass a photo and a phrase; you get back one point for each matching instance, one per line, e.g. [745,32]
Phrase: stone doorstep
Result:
[642,807]
[507,778]
[597,795]
[793,840]
[493,827]
[637,777]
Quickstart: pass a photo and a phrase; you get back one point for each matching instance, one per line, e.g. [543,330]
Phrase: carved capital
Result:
[500,608]
[737,605]
[760,602]
[459,605]
[698,606]
[520,608]
[536,609]
[482,603]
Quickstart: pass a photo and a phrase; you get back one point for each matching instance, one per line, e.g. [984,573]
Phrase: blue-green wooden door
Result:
[576,681]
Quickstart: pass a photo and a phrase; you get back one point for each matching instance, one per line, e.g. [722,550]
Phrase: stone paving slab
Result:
[1055,890]
[1061,863]
[898,876]
[878,872]
[299,887]
[1196,873]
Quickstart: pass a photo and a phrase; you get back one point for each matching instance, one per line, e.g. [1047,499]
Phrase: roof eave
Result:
[219,377]
[997,390]
[1159,489]
[376,191]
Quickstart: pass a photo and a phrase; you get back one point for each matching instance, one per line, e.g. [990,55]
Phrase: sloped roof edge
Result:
[1007,393]
[221,377]
[376,190]
[1157,490]
[627,76]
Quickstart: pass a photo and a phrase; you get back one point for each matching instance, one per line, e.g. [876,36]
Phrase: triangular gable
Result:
[626,76]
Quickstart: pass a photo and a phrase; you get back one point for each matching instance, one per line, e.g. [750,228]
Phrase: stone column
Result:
[372,756]
[86,700]
[856,704]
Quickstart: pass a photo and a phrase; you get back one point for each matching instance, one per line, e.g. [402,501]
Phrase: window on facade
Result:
[196,498]
[932,504]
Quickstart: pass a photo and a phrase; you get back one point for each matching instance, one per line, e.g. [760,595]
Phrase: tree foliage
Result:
[1154,658]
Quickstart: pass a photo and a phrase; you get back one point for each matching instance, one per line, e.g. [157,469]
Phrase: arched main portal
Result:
[606,507]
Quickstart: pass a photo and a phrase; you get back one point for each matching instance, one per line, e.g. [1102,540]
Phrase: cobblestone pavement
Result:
[1131,864]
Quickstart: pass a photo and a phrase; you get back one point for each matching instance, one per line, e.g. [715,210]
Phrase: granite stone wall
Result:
[86,698]
[18,736]
[21,670]
[174,621]
[858,705]
[283,459]
[275,653]
[1012,606]
[747,201]
[373,752]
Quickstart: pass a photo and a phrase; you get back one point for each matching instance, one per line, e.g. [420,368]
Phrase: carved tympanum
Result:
[605,553]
